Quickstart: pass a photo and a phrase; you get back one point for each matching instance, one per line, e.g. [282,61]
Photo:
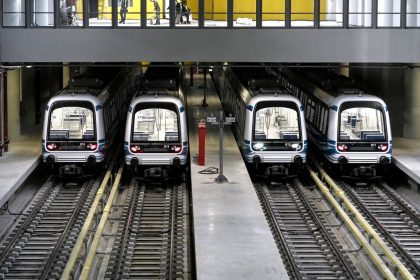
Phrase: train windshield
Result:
[156,124]
[71,120]
[276,121]
[362,121]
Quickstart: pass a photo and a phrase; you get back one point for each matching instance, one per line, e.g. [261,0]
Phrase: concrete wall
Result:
[400,89]
[412,103]
[214,45]
[38,85]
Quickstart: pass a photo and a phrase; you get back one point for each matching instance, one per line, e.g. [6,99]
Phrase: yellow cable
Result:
[86,226]
[92,251]
[372,233]
[359,236]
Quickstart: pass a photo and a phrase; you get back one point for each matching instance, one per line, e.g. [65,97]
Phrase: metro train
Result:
[156,135]
[350,128]
[81,121]
[270,124]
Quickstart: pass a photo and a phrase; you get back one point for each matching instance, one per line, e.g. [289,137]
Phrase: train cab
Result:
[156,140]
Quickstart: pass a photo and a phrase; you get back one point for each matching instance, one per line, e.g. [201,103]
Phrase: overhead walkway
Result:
[232,237]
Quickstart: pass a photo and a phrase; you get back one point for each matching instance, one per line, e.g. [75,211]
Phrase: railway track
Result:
[394,219]
[309,248]
[153,235]
[41,241]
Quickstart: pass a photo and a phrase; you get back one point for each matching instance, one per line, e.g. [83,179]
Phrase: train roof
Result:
[156,99]
[356,97]
[274,97]
[75,97]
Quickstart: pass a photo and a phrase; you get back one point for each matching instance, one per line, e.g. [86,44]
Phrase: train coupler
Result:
[155,173]
[277,170]
[70,170]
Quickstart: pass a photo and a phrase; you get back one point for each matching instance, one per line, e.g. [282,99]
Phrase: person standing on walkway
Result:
[157,11]
[123,10]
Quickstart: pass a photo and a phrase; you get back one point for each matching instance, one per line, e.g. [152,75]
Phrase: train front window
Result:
[276,121]
[70,121]
[362,122]
[153,124]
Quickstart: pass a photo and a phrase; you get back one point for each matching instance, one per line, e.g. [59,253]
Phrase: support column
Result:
[66,75]
[13,102]
[2,113]
[412,103]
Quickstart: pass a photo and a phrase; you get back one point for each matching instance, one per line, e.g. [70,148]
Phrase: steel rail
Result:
[69,225]
[92,251]
[383,230]
[272,218]
[86,226]
[383,268]
[133,206]
[331,242]
[25,224]
[173,217]
[372,233]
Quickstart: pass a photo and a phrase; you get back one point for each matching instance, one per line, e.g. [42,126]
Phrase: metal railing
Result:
[204,14]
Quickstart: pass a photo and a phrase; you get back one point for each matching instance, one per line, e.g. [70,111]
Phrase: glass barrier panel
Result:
[273,13]
[71,13]
[157,13]
[13,12]
[302,13]
[331,13]
[186,13]
[360,13]
[215,13]
[244,13]
[413,13]
[100,14]
[389,13]
[41,12]
[129,13]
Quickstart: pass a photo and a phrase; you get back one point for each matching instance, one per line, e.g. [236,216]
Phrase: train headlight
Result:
[176,148]
[258,146]
[382,147]
[296,146]
[136,149]
[52,146]
[92,146]
[342,147]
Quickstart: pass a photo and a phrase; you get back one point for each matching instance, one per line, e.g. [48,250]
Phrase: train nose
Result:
[50,159]
[384,160]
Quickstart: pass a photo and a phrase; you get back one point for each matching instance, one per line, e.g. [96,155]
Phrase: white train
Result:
[351,128]
[270,125]
[156,135]
[81,121]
